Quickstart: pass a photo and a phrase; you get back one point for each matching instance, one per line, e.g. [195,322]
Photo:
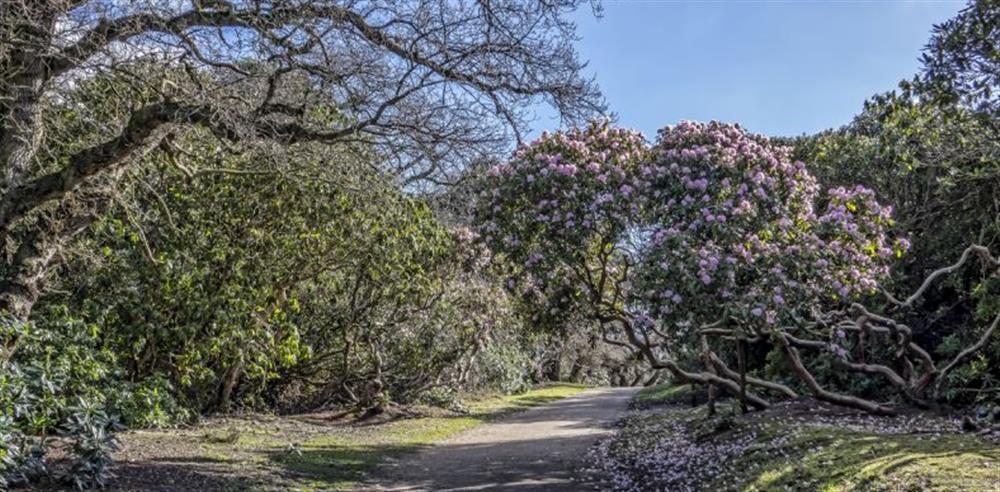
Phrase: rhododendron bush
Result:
[744,234]
[711,237]
[559,209]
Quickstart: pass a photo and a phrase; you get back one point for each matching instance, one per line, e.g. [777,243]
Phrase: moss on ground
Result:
[796,446]
[835,460]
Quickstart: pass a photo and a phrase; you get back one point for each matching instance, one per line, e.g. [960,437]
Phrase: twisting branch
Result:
[821,393]
[965,354]
[914,381]
[703,377]
[904,387]
[973,250]
[721,366]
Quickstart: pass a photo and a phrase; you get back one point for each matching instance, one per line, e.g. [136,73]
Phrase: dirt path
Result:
[539,449]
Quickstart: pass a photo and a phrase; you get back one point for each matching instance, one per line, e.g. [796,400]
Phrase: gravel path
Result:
[542,449]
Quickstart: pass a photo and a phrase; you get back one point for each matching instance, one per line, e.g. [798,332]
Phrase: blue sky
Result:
[777,67]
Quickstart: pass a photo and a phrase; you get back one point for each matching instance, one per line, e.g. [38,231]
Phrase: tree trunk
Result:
[653,379]
[20,131]
[25,271]
[741,354]
[575,370]
[553,369]
[228,384]
[711,398]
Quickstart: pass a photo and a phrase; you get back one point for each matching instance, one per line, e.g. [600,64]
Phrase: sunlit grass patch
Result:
[501,405]
[839,461]
[338,460]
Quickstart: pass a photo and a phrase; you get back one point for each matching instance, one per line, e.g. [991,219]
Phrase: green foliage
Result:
[258,289]
[21,456]
[204,273]
[962,59]
[54,387]
[150,403]
[286,279]
[505,367]
[93,433]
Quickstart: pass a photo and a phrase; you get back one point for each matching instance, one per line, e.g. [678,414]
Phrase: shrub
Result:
[54,387]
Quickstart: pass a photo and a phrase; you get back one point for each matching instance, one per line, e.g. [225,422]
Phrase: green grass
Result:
[663,394]
[834,460]
[493,406]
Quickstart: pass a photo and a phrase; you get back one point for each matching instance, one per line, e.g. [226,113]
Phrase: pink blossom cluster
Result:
[734,224]
[560,192]
[711,219]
